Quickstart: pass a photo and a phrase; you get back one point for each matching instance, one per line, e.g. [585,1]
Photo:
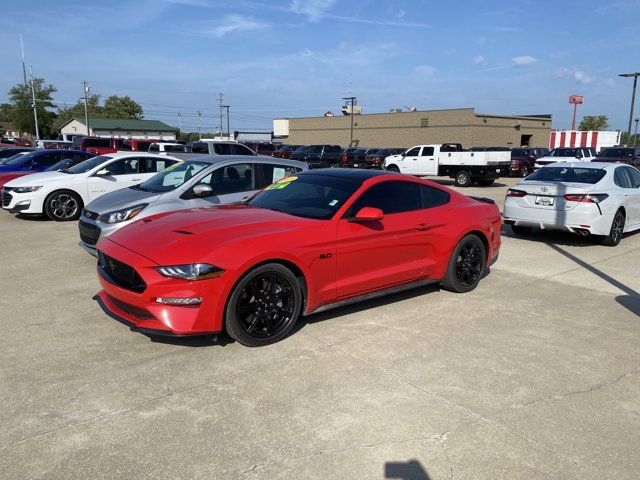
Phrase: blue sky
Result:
[294,57]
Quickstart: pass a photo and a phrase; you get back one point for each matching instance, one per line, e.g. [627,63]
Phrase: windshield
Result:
[309,196]
[5,161]
[87,165]
[172,177]
[564,152]
[19,159]
[617,152]
[568,174]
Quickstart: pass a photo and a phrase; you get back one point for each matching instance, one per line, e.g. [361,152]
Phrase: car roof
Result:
[593,165]
[353,173]
[245,158]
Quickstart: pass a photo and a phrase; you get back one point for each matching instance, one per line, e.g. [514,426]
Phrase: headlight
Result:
[193,271]
[122,215]
[26,189]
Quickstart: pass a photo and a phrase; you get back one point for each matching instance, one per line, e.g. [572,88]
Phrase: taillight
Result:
[516,193]
[344,158]
[589,198]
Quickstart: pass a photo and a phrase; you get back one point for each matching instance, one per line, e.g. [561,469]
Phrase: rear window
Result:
[568,174]
[200,147]
[617,152]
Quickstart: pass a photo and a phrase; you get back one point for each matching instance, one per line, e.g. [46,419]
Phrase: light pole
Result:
[228,129]
[635,135]
[35,109]
[352,100]
[85,87]
[633,95]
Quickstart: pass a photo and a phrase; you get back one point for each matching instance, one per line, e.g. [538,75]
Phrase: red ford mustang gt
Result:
[303,244]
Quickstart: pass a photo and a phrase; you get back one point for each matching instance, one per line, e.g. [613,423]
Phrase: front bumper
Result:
[92,231]
[28,203]
[140,310]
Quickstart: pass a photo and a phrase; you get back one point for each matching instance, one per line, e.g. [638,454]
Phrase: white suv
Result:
[576,154]
[61,195]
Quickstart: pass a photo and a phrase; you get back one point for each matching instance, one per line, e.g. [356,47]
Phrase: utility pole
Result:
[352,99]
[24,69]
[180,122]
[85,88]
[220,97]
[228,129]
[35,110]
[199,129]
[635,136]
[633,96]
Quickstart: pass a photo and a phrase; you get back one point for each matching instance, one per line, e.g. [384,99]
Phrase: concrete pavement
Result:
[534,375]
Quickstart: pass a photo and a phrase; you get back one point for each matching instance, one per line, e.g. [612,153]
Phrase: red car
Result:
[304,244]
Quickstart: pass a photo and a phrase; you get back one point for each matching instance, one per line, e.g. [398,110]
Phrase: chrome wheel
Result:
[266,306]
[64,206]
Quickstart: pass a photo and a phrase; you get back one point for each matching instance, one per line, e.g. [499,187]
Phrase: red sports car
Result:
[303,244]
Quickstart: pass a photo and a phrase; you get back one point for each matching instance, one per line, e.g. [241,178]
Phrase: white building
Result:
[120,128]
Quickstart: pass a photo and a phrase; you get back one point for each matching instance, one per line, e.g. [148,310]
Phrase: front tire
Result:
[463,179]
[466,265]
[617,228]
[63,206]
[393,168]
[264,306]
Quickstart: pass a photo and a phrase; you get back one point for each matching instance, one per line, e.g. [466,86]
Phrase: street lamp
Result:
[352,100]
[633,95]
[635,135]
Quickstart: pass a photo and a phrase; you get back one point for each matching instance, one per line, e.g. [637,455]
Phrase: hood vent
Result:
[183,232]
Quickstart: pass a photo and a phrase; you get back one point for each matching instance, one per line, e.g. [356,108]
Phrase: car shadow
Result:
[33,218]
[558,237]
[410,470]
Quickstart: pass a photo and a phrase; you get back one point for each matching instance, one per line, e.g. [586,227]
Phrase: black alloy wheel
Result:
[466,265]
[264,306]
[617,229]
[63,206]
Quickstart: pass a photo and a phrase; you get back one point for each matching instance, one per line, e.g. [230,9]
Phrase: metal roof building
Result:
[120,128]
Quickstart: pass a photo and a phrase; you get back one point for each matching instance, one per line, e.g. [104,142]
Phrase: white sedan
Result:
[62,195]
[584,198]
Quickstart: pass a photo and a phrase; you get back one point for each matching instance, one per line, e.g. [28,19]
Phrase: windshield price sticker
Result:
[280,184]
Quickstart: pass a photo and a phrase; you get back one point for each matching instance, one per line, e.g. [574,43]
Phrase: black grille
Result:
[90,214]
[89,233]
[6,197]
[131,310]
[120,274]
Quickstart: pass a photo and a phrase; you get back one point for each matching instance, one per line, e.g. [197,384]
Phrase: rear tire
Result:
[617,228]
[63,206]
[463,179]
[393,168]
[263,306]
[520,230]
[525,172]
[466,265]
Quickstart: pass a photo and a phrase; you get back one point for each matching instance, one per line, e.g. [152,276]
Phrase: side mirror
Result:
[103,172]
[368,214]
[202,190]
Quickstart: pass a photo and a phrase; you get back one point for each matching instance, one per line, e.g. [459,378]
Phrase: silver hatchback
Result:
[205,181]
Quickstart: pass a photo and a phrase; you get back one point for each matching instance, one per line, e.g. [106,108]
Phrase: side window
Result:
[153,165]
[75,156]
[390,197]
[635,176]
[414,152]
[432,197]
[231,179]
[126,166]
[222,149]
[622,178]
[427,152]
[272,173]
[200,147]
[154,147]
[240,150]
[47,159]
[126,145]
[143,146]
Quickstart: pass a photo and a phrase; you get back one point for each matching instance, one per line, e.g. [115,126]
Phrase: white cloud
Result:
[314,9]
[583,77]
[346,54]
[524,60]
[578,75]
[235,23]
[609,82]
[478,59]
[425,70]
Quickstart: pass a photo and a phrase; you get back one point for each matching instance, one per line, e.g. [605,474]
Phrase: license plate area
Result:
[545,201]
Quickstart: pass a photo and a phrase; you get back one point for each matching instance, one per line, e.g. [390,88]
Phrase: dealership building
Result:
[120,128]
[404,129]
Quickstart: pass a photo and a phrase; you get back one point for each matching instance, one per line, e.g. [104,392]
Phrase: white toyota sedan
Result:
[584,198]
[62,195]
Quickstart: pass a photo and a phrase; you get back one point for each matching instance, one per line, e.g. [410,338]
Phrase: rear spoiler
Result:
[482,199]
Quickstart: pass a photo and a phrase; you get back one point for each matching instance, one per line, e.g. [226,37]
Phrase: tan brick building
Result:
[404,129]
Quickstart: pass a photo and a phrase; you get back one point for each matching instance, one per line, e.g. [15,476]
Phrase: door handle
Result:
[422,227]
[136,179]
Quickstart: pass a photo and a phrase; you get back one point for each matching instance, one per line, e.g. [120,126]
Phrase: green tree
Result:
[122,107]
[594,122]
[21,110]
[630,141]
[77,111]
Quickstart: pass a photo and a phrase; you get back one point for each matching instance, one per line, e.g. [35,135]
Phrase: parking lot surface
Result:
[534,375]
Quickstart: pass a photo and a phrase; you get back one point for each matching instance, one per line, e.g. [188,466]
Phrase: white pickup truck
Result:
[449,160]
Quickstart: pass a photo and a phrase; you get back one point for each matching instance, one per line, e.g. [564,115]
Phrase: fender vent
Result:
[183,232]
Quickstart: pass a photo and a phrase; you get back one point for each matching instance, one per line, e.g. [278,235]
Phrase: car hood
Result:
[7,176]
[123,198]
[39,177]
[192,235]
